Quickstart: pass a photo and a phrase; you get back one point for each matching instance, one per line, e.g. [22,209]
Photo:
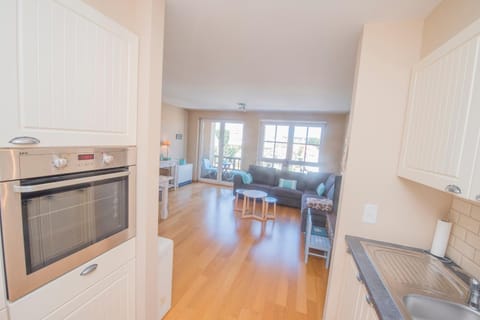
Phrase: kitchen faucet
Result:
[474,294]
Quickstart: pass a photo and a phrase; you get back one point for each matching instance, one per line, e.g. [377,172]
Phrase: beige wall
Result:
[174,120]
[146,19]
[407,212]
[450,17]
[446,20]
[331,148]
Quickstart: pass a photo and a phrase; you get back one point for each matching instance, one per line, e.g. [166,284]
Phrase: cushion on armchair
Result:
[320,204]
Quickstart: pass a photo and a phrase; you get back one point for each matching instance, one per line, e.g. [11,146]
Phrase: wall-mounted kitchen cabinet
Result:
[69,75]
[442,128]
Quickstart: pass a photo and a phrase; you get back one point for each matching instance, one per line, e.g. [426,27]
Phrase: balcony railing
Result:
[229,163]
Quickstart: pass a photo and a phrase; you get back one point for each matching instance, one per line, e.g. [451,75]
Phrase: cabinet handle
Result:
[24,140]
[453,189]
[359,278]
[368,299]
[89,269]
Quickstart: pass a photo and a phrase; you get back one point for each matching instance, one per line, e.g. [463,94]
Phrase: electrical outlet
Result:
[370,213]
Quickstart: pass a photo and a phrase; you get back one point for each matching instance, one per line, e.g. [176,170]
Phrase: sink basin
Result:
[426,308]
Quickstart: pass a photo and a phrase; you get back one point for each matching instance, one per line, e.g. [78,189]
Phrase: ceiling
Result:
[289,55]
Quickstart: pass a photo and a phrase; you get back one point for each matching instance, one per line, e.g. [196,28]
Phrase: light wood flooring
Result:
[231,268]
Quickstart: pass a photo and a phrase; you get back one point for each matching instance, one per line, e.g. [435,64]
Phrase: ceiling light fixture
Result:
[242,106]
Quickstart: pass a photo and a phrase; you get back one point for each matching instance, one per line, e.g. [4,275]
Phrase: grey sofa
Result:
[267,179]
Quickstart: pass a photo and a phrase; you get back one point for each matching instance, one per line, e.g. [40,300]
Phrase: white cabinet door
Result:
[72,291]
[364,309]
[351,290]
[112,298]
[3,314]
[354,303]
[69,75]
[442,127]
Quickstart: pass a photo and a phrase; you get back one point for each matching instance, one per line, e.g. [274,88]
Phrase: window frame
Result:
[290,142]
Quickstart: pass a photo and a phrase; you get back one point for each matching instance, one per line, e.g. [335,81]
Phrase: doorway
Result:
[220,151]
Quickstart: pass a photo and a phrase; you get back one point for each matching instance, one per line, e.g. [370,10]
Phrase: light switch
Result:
[370,213]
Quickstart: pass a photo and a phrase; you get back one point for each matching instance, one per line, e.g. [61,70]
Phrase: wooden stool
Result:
[268,201]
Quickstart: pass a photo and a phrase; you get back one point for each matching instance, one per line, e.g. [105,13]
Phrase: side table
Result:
[253,195]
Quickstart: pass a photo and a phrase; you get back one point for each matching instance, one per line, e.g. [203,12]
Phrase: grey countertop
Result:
[384,304]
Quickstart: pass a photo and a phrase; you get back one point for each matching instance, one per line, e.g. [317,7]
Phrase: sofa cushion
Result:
[297,176]
[320,204]
[262,175]
[330,182]
[288,184]
[320,189]
[313,179]
[286,193]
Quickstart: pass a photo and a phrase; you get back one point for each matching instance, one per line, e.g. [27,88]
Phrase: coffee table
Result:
[253,195]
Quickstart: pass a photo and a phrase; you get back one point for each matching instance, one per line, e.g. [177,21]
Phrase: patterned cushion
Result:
[320,204]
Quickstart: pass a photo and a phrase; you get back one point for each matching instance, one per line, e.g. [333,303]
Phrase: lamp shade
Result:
[166,143]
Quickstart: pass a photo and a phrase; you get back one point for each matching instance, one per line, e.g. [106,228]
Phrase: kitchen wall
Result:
[331,152]
[407,211]
[146,19]
[446,20]
[174,121]
[464,245]
[450,17]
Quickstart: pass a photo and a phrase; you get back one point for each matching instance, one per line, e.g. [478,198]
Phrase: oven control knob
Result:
[60,163]
[107,159]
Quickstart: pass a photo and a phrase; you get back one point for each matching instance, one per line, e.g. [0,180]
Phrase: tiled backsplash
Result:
[464,244]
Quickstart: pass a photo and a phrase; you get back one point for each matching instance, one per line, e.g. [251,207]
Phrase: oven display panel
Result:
[89,156]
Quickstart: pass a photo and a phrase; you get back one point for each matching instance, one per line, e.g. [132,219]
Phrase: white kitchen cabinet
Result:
[69,75]
[3,314]
[355,300]
[106,293]
[442,127]
[112,298]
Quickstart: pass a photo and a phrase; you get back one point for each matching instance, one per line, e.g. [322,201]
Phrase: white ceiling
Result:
[271,54]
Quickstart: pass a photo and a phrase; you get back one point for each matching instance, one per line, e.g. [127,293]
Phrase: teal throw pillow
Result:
[288,184]
[321,189]
[247,178]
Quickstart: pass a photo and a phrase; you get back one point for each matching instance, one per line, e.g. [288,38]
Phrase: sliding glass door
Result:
[220,150]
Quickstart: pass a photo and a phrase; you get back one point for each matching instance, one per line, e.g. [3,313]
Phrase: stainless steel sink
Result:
[420,284]
[427,308]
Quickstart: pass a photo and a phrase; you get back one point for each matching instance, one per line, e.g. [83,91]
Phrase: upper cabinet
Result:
[442,128]
[69,75]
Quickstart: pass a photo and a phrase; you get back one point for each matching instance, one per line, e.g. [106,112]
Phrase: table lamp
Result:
[166,143]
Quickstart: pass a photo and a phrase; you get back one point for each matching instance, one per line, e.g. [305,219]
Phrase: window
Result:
[294,146]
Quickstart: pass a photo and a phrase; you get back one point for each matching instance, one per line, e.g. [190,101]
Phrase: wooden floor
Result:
[230,268]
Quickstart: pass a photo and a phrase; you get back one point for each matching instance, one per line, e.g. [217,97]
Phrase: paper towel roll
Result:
[440,239]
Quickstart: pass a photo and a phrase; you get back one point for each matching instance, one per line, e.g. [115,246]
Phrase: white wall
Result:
[407,211]
[174,121]
[331,148]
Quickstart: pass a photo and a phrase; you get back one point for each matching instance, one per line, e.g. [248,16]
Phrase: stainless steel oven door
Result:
[54,224]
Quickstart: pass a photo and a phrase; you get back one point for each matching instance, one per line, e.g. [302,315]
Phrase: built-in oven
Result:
[62,207]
